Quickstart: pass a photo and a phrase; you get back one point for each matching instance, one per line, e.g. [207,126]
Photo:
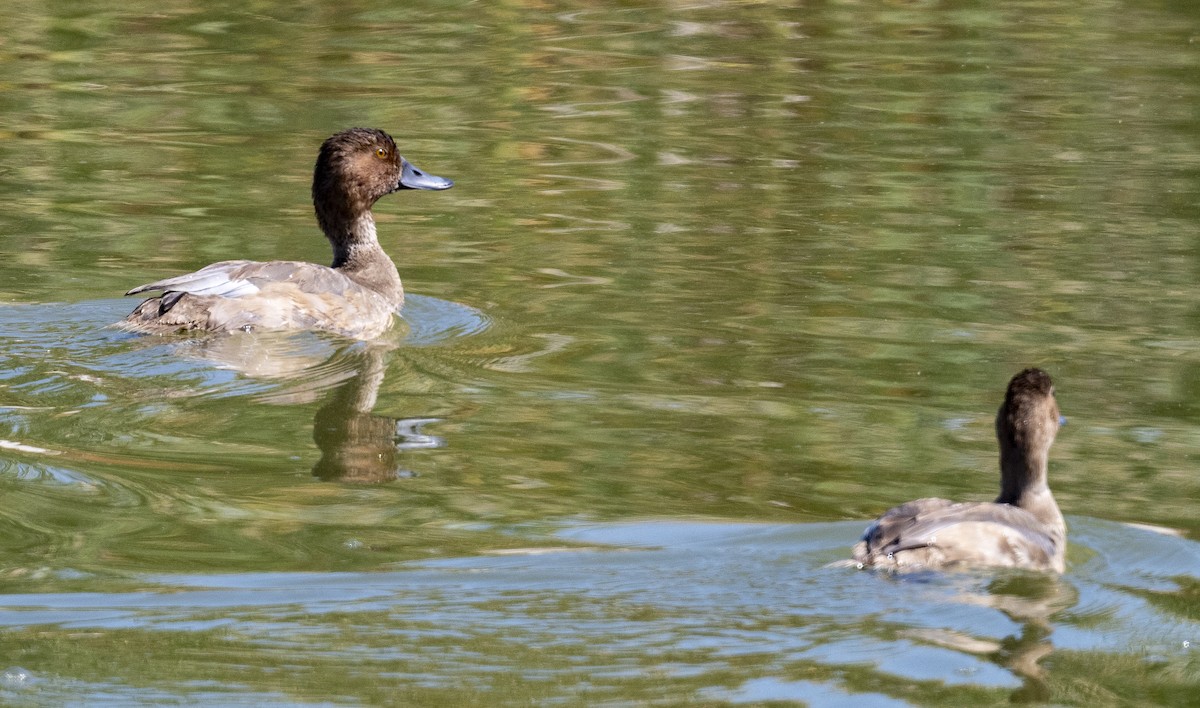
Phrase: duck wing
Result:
[235,279]
[224,279]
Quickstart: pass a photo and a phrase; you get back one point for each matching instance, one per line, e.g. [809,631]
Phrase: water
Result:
[716,284]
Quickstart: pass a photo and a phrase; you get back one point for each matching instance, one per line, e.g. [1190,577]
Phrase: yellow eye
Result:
[381,152]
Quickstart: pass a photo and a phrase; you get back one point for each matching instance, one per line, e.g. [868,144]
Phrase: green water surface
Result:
[717,283]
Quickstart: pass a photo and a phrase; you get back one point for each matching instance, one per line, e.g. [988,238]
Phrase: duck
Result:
[1023,528]
[357,296]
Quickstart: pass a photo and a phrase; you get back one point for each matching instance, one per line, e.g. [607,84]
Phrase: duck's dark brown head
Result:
[1026,426]
[354,169]
[1030,408]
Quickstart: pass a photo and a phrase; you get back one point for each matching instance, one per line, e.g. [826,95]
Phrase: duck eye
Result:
[381,152]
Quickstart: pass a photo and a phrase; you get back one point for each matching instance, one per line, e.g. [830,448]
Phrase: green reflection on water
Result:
[742,260]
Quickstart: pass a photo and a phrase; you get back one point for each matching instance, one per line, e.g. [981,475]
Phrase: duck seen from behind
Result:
[1023,528]
[357,296]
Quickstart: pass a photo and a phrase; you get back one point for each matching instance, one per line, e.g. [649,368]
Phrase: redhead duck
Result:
[1023,528]
[356,297]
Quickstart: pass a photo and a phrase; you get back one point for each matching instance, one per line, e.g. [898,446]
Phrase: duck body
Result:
[273,295]
[937,533]
[357,296]
[1023,528]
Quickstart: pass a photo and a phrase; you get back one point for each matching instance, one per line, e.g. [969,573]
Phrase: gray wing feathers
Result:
[225,279]
[233,279]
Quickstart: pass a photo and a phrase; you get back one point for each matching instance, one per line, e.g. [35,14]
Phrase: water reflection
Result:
[739,233]
[291,369]
[356,444]
[1028,599]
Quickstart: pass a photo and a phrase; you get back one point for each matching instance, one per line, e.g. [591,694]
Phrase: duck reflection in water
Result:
[1029,599]
[356,444]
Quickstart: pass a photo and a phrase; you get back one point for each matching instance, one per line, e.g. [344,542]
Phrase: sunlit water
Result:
[641,611]
[717,284]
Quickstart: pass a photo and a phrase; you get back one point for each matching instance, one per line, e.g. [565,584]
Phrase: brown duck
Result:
[357,296]
[1023,528]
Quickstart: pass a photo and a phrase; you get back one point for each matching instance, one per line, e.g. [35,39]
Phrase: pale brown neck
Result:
[357,254]
[353,240]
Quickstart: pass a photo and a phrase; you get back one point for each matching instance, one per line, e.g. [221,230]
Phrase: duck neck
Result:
[358,255]
[1023,484]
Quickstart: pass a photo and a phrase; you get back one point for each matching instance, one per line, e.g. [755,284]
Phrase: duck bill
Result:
[413,178]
